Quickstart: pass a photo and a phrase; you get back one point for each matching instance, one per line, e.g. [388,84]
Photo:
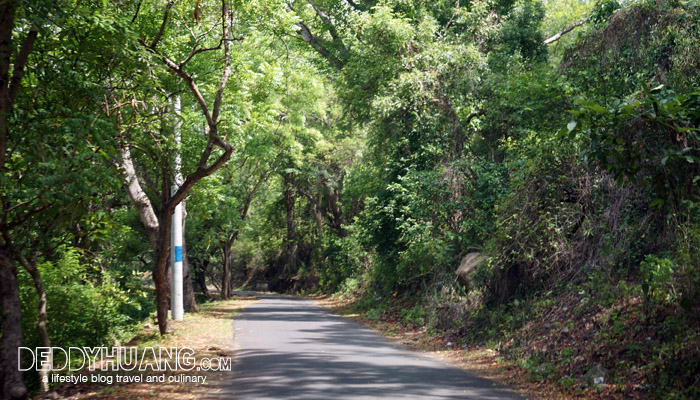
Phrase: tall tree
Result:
[158,224]
[11,382]
[46,145]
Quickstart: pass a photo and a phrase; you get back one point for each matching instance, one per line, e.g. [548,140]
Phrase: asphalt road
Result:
[289,348]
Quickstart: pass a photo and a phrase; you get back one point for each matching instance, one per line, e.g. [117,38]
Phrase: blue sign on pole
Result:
[178,253]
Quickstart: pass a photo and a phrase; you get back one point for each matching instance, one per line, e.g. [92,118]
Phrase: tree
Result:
[11,382]
[46,146]
[244,190]
[158,226]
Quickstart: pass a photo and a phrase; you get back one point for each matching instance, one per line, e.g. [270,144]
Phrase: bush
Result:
[85,305]
[657,274]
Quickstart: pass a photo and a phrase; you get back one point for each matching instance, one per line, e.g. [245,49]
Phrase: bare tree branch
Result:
[197,50]
[138,196]
[575,25]
[136,14]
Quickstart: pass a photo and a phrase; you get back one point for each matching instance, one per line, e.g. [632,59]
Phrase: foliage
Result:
[657,274]
[658,147]
[369,157]
[72,289]
[521,32]
[87,306]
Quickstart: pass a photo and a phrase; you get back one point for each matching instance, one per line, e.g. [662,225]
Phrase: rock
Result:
[467,267]
[263,286]
[596,375]
[148,325]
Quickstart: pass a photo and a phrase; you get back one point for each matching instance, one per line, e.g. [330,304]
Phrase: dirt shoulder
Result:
[481,361]
[208,333]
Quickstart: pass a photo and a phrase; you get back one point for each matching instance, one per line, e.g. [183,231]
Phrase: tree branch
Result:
[313,40]
[136,14]
[28,215]
[355,5]
[138,196]
[212,117]
[198,175]
[575,25]
[227,64]
[327,21]
[190,83]
[156,39]
[197,39]
[20,62]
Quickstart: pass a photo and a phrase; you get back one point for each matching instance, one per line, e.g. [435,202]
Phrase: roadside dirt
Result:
[481,361]
[209,333]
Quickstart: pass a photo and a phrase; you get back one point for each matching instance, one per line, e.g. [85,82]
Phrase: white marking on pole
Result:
[176,297]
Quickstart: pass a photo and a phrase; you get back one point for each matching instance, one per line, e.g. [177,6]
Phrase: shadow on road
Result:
[291,349]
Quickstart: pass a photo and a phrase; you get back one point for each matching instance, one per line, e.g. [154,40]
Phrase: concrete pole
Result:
[176,297]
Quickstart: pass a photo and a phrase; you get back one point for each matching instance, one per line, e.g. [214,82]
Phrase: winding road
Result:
[289,348]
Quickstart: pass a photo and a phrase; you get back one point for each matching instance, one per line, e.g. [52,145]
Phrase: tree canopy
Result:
[362,148]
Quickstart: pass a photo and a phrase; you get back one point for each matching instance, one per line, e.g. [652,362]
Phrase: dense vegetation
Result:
[362,148]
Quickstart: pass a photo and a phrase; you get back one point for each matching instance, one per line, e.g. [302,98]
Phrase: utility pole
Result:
[176,231]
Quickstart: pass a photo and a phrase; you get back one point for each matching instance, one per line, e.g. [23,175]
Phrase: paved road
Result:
[288,348]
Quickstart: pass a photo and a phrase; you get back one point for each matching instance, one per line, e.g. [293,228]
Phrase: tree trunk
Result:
[318,216]
[200,276]
[10,85]
[158,232]
[189,301]
[316,206]
[160,278]
[226,275]
[11,384]
[226,287]
[336,218]
[289,201]
[138,197]
[30,267]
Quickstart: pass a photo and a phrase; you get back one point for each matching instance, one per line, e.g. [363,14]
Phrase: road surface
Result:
[288,348]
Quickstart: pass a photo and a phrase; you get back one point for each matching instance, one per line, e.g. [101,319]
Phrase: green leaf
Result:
[597,108]
[571,125]
[658,203]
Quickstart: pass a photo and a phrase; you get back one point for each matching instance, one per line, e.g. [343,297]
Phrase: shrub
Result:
[85,305]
